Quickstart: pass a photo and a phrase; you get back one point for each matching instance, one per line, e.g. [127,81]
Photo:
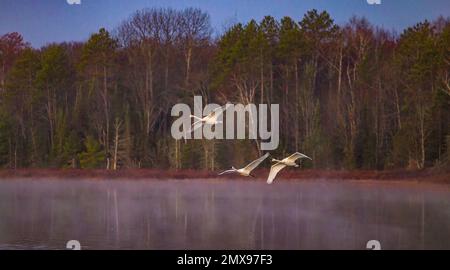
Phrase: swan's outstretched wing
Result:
[296,156]
[227,171]
[196,117]
[255,163]
[274,171]
[219,110]
[198,124]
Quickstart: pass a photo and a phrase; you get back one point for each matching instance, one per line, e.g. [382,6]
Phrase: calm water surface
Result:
[221,214]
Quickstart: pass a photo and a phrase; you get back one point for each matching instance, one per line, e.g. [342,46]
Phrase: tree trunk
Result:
[151,74]
[188,65]
[148,97]
[422,138]
[397,104]
[213,157]
[296,106]
[447,140]
[3,75]
[176,154]
[50,116]
[116,143]
[166,70]
[285,101]
[15,156]
[35,154]
[377,121]
[261,78]
[271,82]
[339,82]
[106,109]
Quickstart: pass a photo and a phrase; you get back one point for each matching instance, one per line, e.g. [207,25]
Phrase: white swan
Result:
[281,164]
[210,119]
[246,171]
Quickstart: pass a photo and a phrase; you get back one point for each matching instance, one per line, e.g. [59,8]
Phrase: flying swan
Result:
[210,119]
[246,171]
[281,164]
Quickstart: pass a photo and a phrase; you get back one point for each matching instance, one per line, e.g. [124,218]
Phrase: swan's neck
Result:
[196,117]
[275,160]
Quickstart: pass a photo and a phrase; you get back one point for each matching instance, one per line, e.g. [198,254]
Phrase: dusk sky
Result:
[44,21]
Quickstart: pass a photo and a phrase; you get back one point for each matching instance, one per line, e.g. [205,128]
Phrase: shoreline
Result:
[428,175]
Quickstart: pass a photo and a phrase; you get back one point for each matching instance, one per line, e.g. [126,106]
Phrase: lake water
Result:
[223,214]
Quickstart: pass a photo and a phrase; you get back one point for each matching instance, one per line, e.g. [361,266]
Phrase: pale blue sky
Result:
[43,21]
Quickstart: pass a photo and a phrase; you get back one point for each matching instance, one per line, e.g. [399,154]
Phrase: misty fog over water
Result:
[223,214]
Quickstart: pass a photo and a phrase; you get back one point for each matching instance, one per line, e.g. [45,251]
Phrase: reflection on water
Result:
[213,214]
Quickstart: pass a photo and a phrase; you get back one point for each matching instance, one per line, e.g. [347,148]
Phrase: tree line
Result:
[351,96]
